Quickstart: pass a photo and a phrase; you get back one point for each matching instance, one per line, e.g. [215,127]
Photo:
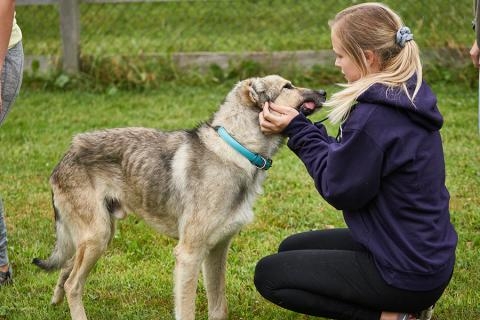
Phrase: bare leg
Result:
[396,316]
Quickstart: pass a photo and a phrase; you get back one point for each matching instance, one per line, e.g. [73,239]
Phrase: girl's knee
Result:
[263,276]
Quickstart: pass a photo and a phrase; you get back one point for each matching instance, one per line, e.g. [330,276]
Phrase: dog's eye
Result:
[288,86]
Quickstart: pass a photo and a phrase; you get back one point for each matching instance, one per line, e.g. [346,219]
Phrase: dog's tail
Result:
[64,247]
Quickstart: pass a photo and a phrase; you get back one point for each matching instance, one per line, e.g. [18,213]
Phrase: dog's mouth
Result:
[308,107]
[313,102]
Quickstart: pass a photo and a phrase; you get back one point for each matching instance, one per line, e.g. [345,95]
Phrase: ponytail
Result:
[383,33]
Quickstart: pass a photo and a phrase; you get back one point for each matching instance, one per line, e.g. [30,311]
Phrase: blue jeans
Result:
[11,78]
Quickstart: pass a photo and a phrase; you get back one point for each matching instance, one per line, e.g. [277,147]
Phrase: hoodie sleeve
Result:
[346,173]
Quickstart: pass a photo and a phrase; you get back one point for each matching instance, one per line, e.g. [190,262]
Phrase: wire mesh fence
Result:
[139,28]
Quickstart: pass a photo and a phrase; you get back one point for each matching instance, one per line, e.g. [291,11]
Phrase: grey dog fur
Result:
[187,184]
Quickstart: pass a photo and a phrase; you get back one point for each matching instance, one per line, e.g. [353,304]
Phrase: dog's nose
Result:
[323,93]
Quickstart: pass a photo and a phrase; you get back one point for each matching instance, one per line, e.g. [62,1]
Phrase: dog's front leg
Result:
[214,268]
[187,268]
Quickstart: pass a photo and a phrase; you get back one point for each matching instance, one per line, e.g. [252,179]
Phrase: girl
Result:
[385,170]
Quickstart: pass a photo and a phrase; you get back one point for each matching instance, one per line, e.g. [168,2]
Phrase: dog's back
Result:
[160,176]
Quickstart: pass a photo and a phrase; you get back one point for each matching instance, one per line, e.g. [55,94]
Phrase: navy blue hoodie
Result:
[386,171]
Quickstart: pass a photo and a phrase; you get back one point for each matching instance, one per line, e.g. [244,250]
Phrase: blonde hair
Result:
[372,26]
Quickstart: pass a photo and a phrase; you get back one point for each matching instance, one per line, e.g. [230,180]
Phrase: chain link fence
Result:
[112,28]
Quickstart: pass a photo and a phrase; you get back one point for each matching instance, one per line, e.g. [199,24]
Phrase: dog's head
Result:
[274,88]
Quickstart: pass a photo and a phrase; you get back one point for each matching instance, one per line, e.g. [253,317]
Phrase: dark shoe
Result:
[6,277]
[426,314]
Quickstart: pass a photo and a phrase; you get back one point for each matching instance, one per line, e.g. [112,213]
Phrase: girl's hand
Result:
[1,102]
[475,54]
[274,118]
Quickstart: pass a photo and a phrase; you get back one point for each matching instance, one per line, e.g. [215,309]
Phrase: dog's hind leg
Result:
[59,292]
[87,255]
[89,250]
[214,268]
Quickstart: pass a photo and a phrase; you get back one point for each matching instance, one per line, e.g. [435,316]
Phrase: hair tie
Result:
[403,36]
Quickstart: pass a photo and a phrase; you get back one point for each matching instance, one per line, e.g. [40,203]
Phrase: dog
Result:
[191,185]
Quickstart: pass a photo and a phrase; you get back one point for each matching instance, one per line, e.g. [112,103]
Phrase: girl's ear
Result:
[373,64]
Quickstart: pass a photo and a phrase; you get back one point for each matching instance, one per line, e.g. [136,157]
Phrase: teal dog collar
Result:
[256,159]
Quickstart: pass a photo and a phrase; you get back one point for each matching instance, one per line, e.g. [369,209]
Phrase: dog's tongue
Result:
[309,105]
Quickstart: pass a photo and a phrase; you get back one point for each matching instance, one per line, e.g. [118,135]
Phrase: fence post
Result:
[70,30]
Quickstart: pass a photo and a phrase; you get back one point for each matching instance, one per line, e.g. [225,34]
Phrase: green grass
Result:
[130,45]
[173,26]
[134,279]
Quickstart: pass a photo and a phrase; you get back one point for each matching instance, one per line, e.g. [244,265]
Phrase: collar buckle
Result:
[256,159]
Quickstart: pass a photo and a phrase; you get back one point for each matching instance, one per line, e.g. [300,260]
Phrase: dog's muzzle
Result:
[313,102]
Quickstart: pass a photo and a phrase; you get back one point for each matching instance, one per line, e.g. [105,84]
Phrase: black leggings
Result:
[327,274]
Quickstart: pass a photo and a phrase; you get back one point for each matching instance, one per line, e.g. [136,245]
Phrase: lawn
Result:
[217,26]
[134,279]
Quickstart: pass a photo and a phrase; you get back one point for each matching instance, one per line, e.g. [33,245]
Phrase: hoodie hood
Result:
[422,111]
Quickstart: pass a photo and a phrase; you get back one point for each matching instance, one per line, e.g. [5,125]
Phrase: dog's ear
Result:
[257,92]
[252,94]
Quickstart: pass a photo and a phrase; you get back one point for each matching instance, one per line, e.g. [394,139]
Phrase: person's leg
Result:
[11,78]
[333,283]
[5,273]
[3,241]
[314,282]
[329,239]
